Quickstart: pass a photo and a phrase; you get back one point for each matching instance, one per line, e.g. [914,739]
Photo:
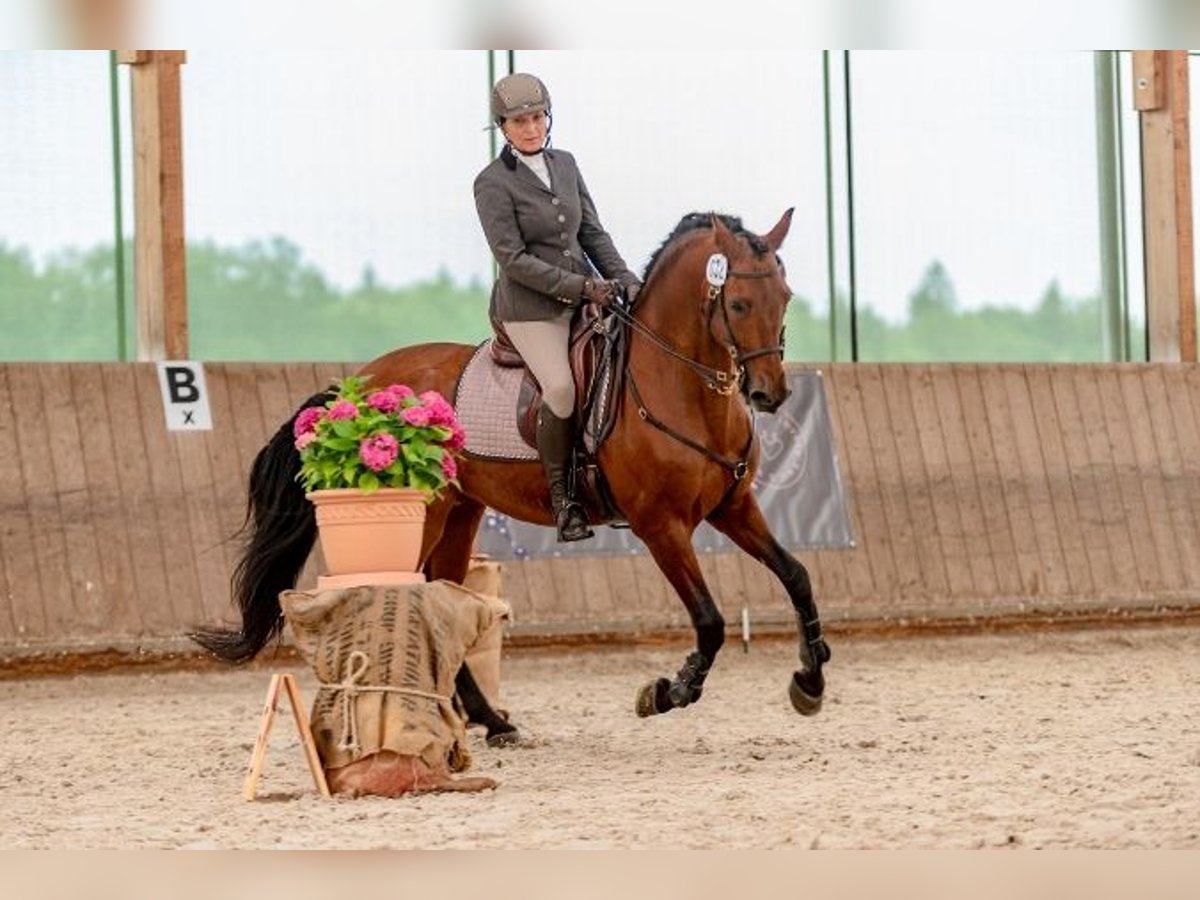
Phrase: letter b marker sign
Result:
[184,396]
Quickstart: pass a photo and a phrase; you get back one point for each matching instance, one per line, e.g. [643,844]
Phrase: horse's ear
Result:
[775,236]
[727,242]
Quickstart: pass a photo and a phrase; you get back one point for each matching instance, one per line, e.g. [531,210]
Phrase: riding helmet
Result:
[518,94]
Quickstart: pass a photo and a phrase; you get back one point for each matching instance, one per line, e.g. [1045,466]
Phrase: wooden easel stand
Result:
[270,707]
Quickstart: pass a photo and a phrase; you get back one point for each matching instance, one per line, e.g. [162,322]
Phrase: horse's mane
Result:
[694,221]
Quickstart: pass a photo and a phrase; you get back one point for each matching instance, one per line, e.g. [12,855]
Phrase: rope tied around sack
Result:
[355,668]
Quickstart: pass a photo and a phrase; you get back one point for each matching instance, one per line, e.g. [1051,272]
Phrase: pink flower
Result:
[306,422]
[457,439]
[416,415]
[343,409]
[440,411]
[449,466]
[305,439]
[384,401]
[403,391]
[378,452]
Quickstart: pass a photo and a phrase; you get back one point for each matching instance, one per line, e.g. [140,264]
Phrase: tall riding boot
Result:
[554,440]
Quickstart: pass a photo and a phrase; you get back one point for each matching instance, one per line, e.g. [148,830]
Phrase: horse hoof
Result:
[504,738]
[652,699]
[804,701]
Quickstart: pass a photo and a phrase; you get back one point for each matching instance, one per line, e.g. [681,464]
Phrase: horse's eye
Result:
[739,306]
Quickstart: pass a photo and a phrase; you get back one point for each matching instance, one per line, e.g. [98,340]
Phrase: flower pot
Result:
[377,533]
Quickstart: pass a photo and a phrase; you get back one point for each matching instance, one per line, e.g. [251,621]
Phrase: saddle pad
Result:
[486,402]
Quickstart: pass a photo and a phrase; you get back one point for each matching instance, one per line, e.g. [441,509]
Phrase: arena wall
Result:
[977,492]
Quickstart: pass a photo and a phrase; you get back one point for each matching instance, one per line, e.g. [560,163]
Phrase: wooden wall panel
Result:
[25,617]
[942,495]
[1052,575]
[973,490]
[1068,522]
[65,421]
[904,569]
[170,530]
[1090,511]
[873,571]
[993,504]
[1177,382]
[961,467]
[1011,487]
[34,461]
[1170,466]
[1106,486]
[105,512]
[912,475]
[1145,565]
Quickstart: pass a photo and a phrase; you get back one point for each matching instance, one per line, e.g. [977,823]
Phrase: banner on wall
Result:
[798,485]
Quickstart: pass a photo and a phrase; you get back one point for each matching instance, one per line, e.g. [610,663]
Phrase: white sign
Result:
[718,269]
[184,396]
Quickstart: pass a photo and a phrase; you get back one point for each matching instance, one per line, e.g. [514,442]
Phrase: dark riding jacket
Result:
[546,240]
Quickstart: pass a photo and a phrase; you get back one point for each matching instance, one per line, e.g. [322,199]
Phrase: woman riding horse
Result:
[540,221]
[705,346]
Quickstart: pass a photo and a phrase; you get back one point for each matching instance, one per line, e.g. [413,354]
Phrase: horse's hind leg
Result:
[742,520]
[671,547]
[449,558]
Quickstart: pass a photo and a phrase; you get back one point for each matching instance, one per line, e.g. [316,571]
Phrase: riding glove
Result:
[597,290]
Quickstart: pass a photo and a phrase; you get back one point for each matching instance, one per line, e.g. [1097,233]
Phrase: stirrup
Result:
[572,523]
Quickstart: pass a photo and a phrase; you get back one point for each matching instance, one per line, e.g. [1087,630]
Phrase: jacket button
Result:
[561,217]
[566,253]
[554,201]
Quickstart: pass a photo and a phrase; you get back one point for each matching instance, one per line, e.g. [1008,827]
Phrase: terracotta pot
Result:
[362,532]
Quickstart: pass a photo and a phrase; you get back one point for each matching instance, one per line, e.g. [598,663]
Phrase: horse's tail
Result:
[278,533]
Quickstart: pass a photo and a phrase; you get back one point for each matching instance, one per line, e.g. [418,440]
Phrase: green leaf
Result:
[343,428]
[368,481]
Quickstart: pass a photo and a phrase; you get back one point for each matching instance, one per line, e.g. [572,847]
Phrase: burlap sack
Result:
[483,659]
[386,657]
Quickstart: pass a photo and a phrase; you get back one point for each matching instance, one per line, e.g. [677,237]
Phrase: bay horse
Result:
[705,345]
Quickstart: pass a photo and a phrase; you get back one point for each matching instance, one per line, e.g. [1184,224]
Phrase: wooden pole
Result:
[159,254]
[1160,94]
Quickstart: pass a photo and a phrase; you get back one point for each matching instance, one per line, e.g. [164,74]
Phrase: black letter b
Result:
[182,385]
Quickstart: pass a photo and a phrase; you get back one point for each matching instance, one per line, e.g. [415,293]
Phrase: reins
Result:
[719,380]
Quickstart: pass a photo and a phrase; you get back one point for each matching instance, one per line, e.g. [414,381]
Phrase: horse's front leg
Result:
[671,547]
[741,519]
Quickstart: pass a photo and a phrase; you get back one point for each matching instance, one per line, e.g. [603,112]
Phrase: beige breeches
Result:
[543,346]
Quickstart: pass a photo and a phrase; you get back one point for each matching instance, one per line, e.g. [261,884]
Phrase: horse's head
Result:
[745,312]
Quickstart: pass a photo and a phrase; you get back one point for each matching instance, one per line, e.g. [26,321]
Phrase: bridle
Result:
[722,381]
[716,297]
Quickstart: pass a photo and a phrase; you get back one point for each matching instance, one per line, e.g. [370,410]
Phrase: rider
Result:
[553,254]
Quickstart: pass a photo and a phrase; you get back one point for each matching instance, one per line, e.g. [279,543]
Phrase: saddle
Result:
[597,352]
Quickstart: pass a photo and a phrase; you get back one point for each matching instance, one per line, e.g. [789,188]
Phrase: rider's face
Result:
[526,132]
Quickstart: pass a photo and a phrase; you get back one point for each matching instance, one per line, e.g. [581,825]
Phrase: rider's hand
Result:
[597,290]
[631,292]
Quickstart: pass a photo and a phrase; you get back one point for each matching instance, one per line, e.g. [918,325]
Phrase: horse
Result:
[705,348]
